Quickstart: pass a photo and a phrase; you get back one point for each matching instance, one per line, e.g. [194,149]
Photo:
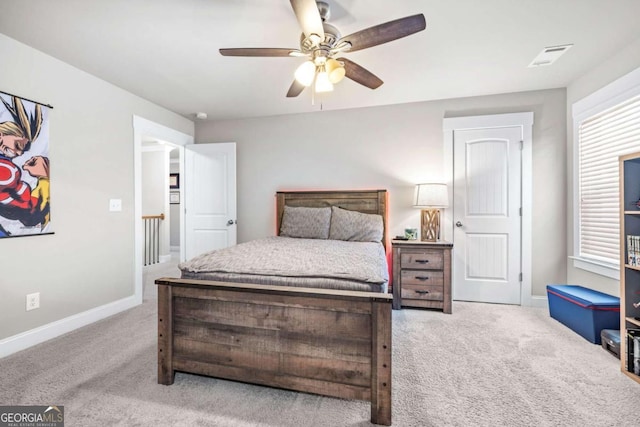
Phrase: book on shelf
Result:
[633,351]
[633,250]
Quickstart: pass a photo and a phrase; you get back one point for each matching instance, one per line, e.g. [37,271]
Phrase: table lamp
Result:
[430,197]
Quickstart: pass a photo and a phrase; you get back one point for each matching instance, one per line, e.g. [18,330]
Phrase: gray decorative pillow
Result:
[355,226]
[308,223]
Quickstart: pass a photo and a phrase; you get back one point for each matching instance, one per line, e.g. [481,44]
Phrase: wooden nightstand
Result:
[422,274]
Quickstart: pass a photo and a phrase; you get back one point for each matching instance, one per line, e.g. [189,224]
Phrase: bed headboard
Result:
[366,201]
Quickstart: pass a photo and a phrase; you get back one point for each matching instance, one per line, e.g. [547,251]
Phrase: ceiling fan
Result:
[322,43]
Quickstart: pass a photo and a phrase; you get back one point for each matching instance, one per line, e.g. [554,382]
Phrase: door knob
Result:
[458,224]
[230,222]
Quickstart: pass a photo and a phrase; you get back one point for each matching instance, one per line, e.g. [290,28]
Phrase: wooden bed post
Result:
[166,373]
[381,362]
[279,211]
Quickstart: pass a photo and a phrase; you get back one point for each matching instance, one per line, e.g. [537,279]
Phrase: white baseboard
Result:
[540,302]
[44,333]
[164,258]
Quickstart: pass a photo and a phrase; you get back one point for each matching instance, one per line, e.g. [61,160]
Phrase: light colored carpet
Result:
[484,365]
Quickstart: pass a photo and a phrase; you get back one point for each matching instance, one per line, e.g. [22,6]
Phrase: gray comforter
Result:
[285,261]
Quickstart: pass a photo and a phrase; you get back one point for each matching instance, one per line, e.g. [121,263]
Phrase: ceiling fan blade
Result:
[360,75]
[386,32]
[258,51]
[295,89]
[308,17]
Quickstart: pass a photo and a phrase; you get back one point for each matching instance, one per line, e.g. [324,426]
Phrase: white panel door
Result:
[210,197]
[486,215]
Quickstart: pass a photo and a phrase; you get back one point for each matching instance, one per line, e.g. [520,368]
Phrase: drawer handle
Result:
[422,261]
[422,277]
[422,292]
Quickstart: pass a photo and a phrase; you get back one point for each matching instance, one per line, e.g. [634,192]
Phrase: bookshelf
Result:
[630,270]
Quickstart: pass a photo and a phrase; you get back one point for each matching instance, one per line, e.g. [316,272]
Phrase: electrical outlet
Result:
[33,301]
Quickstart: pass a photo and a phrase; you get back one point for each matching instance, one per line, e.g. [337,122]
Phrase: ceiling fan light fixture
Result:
[320,42]
[323,84]
[335,70]
[305,73]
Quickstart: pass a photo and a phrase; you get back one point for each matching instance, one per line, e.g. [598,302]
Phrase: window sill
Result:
[598,267]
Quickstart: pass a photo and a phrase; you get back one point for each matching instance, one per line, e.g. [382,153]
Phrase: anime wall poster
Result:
[24,168]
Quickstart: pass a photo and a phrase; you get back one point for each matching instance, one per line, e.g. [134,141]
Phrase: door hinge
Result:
[521,145]
[520,210]
[520,277]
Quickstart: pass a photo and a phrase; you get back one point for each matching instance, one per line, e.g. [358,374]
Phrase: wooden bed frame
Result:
[321,341]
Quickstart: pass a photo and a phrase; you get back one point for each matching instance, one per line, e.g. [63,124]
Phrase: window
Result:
[602,139]
[606,125]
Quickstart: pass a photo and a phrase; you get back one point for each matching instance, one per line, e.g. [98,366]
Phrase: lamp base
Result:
[430,225]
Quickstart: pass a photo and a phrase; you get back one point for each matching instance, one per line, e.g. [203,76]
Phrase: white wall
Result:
[618,65]
[88,262]
[391,147]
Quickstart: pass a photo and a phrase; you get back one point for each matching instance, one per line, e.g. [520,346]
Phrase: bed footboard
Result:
[328,342]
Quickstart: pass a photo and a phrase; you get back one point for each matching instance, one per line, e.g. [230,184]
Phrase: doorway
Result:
[146,129]
[489,162]
[160,200]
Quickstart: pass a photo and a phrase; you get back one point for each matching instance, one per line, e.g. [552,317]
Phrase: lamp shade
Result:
[322,82]
[335,70]
[431,195]
[305,73]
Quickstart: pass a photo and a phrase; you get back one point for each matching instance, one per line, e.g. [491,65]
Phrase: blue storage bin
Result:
[584,310]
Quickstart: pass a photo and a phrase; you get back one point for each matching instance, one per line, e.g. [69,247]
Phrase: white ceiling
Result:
[167,50]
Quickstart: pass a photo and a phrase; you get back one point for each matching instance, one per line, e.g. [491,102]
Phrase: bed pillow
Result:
[307,223]
[355,226]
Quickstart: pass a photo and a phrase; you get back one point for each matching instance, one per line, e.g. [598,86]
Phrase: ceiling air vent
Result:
[549,55]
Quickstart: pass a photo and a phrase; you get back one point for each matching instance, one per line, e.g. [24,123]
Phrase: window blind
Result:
[602,138]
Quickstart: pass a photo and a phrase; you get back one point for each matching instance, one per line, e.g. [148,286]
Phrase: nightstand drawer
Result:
[429,293]
[421,277]
[427,260]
